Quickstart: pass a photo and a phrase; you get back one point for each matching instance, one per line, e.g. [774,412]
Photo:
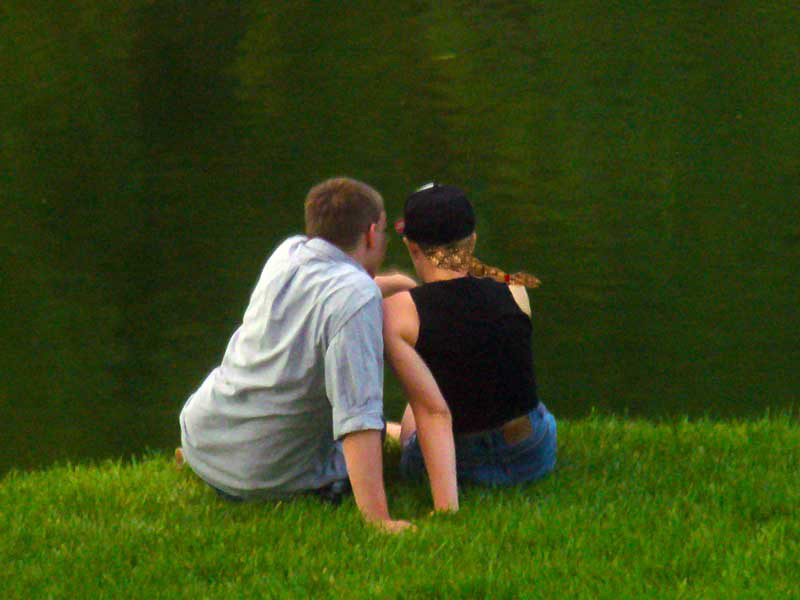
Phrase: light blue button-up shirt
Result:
[304,369]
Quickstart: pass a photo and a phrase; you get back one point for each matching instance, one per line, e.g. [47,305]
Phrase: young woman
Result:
[460,345]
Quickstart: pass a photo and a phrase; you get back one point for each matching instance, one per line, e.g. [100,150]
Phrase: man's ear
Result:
[370,233]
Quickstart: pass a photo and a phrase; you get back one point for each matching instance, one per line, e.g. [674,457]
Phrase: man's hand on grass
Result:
[363,455]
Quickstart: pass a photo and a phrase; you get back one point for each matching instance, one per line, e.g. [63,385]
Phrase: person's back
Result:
[476,341]
[261,422]
[296,405]
[461,348]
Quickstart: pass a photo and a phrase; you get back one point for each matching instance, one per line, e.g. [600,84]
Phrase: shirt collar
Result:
[324,249]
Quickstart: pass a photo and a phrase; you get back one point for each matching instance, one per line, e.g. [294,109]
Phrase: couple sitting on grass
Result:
[297,404]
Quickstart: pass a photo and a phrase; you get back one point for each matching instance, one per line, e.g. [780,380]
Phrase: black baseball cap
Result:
[436,215]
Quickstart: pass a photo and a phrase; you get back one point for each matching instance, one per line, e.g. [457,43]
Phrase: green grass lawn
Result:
[635,509]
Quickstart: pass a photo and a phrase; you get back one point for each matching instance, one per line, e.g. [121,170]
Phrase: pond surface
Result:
[643,162]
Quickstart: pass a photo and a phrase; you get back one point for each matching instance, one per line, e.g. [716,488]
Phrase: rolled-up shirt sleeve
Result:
[354,372]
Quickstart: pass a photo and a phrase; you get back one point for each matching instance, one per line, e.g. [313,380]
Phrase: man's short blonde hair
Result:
[339,210]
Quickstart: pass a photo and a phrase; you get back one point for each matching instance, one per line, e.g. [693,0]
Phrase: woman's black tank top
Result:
[477,343]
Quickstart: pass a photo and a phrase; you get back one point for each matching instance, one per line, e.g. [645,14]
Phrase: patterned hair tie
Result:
[479,269]
[457,256]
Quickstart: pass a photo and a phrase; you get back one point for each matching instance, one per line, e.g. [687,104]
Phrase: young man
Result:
[297,403]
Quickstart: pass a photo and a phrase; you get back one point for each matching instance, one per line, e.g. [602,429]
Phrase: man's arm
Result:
[431,413]
[354,386]
[391,283]
[363,455]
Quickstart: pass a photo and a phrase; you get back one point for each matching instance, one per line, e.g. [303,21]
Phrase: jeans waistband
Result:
[513,430]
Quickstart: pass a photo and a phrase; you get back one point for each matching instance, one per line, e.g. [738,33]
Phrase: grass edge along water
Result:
[682,509]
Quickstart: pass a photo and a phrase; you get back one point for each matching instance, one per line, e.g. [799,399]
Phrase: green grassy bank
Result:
[636,509]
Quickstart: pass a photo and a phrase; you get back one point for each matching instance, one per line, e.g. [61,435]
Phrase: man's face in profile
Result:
[377,250]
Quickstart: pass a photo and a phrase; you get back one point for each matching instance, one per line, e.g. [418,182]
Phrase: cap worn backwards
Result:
[437,214]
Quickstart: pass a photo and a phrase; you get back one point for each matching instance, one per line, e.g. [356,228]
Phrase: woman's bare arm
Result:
[431,413]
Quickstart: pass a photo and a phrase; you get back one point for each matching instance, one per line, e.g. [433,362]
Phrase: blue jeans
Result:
[485,458]
[331,493]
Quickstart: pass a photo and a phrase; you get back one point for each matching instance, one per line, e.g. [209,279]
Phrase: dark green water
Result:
[643,162]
